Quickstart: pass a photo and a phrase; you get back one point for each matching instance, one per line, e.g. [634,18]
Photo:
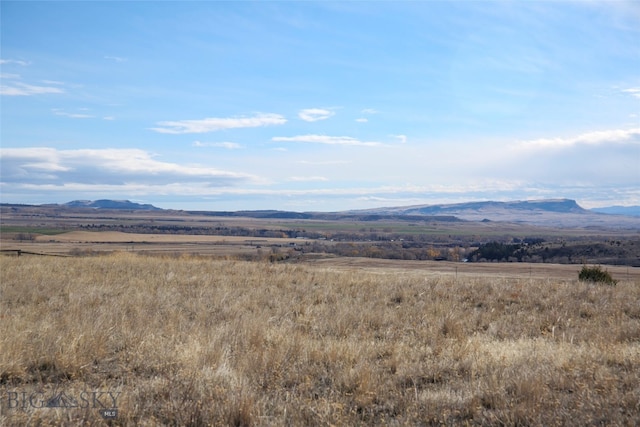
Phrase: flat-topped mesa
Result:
[548,205]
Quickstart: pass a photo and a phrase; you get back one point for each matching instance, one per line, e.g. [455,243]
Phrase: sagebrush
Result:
[596,274]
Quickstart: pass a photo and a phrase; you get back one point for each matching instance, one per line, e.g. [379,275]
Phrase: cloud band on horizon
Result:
[50,166]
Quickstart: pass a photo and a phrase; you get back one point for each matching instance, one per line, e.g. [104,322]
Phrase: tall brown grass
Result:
[195,341]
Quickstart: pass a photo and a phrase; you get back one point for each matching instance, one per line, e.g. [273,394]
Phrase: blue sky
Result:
[320,106]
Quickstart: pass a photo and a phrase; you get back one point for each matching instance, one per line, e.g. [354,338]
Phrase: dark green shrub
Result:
[596,275]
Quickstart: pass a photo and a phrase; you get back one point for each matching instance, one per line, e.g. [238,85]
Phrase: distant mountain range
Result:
[547,212]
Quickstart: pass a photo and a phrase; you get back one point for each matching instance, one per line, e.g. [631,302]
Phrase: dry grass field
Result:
[198,341]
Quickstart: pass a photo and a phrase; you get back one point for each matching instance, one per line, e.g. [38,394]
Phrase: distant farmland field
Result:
[85,242]
[191,340]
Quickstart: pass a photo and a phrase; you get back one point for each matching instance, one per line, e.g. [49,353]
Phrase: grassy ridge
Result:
[191,341]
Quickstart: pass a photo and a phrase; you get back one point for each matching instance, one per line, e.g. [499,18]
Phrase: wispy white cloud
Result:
[13,61]
[315,114]
[15,87]
[633,91]
[325,139]
[59,112]
[226,144]
[24,89]
[617,136]
[366,111]
[218,123]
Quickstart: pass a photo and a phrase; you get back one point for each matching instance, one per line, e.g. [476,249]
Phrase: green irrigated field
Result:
[197,341]
[31,230]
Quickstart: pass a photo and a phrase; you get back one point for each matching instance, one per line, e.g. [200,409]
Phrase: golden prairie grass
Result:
[196,341]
